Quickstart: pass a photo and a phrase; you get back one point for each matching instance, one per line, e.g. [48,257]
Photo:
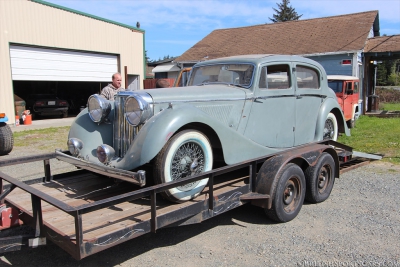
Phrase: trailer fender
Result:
[269,173]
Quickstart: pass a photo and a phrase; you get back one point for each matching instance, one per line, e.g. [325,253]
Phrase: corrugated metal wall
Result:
[29,23]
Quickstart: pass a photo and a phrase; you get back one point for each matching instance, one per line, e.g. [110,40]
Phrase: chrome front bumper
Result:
[138,178]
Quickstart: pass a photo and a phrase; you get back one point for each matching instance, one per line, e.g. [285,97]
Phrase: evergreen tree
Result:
[285,12]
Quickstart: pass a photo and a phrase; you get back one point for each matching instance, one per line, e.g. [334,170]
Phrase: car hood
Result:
[203,93]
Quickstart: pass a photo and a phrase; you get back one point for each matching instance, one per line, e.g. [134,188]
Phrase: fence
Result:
[151,83]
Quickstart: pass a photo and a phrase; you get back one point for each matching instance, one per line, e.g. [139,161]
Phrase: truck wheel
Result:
[185,154]
[288,194]
[330,128]
[320,179]
[352,123]
[6,139]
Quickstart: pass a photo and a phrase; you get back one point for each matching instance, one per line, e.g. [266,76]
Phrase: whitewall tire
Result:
[330,128]
[186,154]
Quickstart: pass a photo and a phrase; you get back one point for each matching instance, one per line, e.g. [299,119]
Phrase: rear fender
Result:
[330,106]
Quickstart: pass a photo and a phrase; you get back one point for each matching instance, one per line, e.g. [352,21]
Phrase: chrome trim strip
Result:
[138,178]
[236,99]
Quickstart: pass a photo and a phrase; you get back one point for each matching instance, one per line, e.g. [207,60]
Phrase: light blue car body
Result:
[241,123]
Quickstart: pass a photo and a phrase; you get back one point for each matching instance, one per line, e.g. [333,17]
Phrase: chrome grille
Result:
[124,133]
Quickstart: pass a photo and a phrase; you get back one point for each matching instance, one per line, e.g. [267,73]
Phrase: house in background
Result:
[337,42]
[161,69]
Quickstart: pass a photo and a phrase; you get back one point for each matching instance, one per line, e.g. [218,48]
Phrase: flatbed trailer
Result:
[84,212]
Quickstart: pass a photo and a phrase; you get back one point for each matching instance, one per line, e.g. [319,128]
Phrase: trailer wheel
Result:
[186,154]
[320,179]
[330,128]
[288,194]
[6,139]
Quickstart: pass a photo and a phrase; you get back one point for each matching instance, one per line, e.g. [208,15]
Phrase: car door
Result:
[308,102]
[271,118]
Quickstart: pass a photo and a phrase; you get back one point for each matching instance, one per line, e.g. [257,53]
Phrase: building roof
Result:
[301,37]
[383,44]
[87,15]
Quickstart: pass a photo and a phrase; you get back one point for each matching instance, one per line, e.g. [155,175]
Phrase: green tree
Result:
[285,12]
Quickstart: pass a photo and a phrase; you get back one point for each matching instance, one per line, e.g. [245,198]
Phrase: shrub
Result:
[387,95]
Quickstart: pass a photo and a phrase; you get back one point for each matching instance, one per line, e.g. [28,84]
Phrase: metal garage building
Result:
[46,48]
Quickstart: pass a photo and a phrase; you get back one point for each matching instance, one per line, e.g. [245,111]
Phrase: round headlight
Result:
[105,153]
[98,107]
[137,110]
[74,146]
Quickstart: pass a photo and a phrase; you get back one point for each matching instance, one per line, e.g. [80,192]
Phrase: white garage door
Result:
[41,64]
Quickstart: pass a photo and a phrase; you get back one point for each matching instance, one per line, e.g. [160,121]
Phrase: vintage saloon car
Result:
[234,108]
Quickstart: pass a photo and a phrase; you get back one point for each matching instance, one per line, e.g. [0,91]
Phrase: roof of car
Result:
[342,77]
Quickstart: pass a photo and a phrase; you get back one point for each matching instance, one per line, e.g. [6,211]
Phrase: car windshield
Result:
[336,86]
[235,74]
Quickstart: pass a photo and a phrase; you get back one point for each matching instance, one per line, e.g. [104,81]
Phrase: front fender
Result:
[160,128]
[330,105]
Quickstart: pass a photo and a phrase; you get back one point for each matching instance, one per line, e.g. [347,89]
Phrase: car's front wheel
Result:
[186,154]
[330,128]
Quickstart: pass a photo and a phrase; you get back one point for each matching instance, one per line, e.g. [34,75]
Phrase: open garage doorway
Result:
[75,93]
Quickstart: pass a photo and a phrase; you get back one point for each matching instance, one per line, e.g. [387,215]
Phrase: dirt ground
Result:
[359,225]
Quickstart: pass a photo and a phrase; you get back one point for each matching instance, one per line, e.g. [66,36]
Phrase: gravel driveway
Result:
[359,225]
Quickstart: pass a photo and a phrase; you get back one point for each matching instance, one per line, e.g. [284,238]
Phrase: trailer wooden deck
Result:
[119,222]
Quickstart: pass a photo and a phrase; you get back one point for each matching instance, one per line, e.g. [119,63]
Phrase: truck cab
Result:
[346,89]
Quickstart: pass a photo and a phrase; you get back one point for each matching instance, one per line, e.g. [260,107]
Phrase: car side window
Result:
[275,77]
[307,78]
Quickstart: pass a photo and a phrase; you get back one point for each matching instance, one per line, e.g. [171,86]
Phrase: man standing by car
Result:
[113,88]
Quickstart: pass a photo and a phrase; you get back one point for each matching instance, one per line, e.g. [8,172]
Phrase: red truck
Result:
[346,89]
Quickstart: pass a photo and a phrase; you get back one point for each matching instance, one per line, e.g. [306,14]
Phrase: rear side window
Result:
[307,78]
[275,77]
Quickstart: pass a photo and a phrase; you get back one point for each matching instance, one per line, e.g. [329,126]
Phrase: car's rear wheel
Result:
[186,154]
[64,115]
[330,128]
[6,139]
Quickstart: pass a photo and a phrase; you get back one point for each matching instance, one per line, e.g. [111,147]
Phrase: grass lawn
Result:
[390,106]
[376,135]
[43,140]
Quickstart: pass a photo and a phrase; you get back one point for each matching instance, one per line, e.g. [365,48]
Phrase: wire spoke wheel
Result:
[187,161]
[330,128]
[186,154]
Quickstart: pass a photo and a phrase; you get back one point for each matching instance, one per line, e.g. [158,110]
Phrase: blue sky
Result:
[173,26]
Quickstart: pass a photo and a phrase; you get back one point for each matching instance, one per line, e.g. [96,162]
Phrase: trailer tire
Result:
[330,128]
[288,194]
[186,154]
[320,179]
[6,139]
